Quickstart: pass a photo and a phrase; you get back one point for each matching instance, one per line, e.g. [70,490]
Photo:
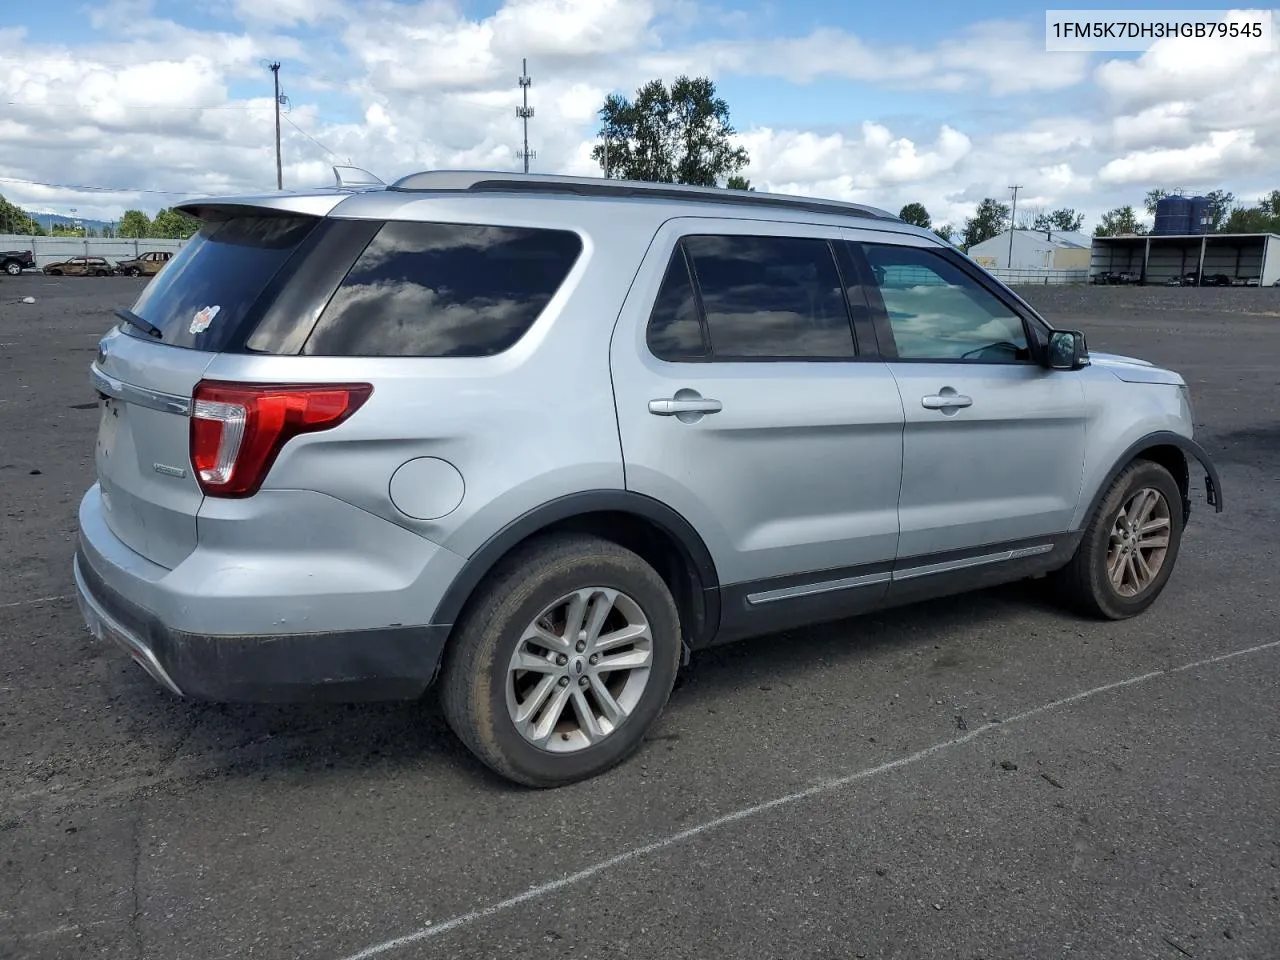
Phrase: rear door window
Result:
[210,286]
[777,298]
[444,290]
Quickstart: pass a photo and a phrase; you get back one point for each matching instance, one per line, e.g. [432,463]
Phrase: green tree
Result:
[990,220]
[1064,219]
[947,232]
[916,214]
[1154,196]
[1119,221]
[135,225]
[739,183]
[680,135]
[13,219]
[1251,220]
[1271,203]
[173,225]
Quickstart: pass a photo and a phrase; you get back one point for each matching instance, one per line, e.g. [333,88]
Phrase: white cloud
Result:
[158,104]
[1205,162]
[286,13]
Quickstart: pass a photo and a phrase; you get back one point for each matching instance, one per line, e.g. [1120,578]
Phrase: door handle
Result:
[945,401]
[672,407]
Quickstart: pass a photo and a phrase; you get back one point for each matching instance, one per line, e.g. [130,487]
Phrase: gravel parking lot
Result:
[833,793]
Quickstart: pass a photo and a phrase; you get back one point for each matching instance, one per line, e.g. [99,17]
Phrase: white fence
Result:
[52,249]
[1023,278]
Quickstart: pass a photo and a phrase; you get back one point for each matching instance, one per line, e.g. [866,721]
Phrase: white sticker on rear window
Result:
[200,322]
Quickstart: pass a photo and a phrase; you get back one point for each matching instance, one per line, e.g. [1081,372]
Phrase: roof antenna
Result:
[355,178]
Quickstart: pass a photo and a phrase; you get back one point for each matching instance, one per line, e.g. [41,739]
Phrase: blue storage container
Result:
[1199,216]
[1173,216]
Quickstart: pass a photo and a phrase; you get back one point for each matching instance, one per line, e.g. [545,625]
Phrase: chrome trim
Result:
[810,589]
[109,386]
[948,566]
[112,629]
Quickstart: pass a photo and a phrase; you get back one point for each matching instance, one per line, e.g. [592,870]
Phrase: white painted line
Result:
[822,786]
[31,603]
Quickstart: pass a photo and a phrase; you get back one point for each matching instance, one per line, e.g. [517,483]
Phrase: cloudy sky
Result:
[940,102]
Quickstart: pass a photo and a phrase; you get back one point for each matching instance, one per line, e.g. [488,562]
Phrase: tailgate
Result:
[150,498]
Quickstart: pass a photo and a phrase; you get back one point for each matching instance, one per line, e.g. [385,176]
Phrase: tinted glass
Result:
[938,313]
[444,290]
[199,299]
[774,297]
[675,327]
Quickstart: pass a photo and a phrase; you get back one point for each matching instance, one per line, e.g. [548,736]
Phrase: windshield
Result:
[201,296]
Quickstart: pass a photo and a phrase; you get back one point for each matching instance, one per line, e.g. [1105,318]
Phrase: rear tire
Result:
[1129,547]
[569,716]
[12,268]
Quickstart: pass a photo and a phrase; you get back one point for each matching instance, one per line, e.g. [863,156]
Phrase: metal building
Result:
[1034,250]
[1240,259]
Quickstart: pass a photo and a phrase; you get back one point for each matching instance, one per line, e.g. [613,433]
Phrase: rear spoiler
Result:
[315,202]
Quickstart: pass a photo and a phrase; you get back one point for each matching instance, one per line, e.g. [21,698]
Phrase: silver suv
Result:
[543,437]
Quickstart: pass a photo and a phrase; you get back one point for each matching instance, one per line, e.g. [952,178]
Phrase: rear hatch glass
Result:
[204,295]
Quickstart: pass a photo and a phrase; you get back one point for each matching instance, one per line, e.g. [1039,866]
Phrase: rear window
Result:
[204,293]
[444,290]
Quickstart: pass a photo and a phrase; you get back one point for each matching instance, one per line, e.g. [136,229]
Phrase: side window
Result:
[771,297]
[937,312]
[444,290]
[675,330]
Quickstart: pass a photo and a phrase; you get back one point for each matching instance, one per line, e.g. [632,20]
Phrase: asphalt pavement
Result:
[980,777]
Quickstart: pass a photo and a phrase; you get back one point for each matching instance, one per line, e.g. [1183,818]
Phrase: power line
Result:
[289,121]
[148,106]
[86,189]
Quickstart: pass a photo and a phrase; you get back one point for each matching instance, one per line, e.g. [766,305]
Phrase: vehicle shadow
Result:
[245,740]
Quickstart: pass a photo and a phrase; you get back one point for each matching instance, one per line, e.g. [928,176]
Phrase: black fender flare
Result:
[572,505]
[1164,438]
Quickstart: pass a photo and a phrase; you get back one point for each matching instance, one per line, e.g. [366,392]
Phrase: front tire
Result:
[563,662]
[135,272]
[1129,547]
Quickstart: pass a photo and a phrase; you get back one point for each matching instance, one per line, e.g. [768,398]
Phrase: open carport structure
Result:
[1247,258]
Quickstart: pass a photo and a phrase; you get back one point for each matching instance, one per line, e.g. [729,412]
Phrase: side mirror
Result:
[1067,350]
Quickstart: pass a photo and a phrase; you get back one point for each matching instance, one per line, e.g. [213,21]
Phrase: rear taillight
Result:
[237,429]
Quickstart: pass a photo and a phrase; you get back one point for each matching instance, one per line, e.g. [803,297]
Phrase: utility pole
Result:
[525,113]
[1012,222]
[275,72]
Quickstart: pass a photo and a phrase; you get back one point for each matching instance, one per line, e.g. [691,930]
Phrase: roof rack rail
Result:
[484,181]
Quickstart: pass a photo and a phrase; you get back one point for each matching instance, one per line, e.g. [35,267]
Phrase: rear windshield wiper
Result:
[146,326]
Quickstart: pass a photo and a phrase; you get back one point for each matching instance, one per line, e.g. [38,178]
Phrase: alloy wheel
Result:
[1139,542]
[579,669]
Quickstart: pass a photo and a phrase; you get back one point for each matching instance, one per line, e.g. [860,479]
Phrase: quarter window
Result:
[444,290]
[937,312]
[771,297]
[675,330]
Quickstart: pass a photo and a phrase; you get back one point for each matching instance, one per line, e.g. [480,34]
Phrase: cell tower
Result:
[525,112]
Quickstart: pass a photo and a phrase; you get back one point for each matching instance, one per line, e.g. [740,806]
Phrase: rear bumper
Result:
[393,663]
